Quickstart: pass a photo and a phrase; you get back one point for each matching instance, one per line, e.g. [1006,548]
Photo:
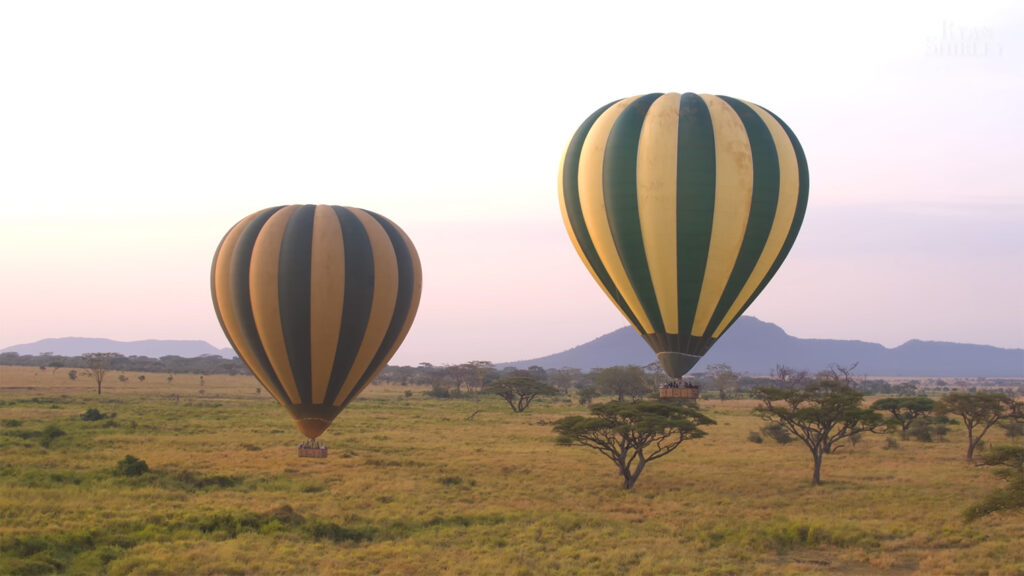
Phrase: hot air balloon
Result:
[315,300]
[683,207]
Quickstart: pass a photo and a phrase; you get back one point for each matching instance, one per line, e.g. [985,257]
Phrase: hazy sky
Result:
[134,134]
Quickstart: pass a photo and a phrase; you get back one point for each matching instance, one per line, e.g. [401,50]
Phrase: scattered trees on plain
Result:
[822,415]
[631,434]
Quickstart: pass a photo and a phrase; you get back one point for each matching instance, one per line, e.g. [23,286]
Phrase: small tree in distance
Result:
[99,363]
[631,434]
[979,411]
[904,410]
[622,381]
[821,415]
[519,391]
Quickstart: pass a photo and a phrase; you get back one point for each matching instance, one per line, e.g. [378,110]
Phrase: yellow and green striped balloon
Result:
[315,300]
[683,207]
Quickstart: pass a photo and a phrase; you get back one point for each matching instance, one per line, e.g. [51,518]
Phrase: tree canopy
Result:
[821,415]
[622,381]
[979,411]
[631,434]
[904,410]
[519,391]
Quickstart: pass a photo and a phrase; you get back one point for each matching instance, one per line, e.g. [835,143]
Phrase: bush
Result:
[92,415]
[777,432]
[439,391]
[755,437]
[50,433]
[131,466]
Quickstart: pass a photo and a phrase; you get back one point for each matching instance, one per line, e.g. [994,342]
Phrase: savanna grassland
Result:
[419,485]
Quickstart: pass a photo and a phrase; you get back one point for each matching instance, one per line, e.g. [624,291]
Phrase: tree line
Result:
[207,364]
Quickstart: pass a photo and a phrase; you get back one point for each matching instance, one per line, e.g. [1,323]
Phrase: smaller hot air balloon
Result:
[683,207]
[315,299]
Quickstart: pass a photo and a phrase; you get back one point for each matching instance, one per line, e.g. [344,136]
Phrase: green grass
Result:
[412,487]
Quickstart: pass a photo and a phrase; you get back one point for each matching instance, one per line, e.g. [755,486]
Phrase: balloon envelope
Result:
[315,300]
[683,207]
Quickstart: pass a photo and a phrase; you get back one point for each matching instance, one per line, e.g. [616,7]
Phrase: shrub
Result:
[50,433]
[777,432]
[439,391]
[324,530]
[755,437]
[131,466]
[92,415]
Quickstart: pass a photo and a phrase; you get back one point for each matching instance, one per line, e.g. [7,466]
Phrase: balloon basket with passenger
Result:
[312,448]
[677,390]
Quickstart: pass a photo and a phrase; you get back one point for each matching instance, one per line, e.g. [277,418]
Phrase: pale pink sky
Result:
[133,135]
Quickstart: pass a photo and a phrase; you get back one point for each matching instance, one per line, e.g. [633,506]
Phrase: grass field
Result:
[413,485]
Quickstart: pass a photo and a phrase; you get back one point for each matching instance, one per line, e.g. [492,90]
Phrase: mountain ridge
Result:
[751,346]
[757,347]
[76,346]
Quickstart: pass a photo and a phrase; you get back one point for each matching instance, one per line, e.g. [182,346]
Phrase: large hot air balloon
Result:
[683,207]
[315,300]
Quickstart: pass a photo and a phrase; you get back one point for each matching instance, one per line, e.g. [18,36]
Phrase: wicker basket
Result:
[312,451]
[682,392]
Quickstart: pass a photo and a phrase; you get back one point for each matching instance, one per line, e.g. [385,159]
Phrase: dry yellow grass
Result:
[413,487]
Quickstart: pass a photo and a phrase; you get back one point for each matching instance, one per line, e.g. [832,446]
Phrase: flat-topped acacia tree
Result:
[631,434]
[821,415]
[979,411]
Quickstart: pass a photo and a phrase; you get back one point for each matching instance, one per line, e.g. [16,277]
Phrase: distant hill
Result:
[149,348]
[756,347]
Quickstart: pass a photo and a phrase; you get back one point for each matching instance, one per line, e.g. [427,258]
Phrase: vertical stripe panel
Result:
[762,207]
[263,290]
[622,210]
[695,204]
[789,187]
[385,293]
[359,287]
[408,300]
[592,206]
[235,312]
[656,202]
[294,277]
[734,182]
[572,215]
[410,285]
[327,297]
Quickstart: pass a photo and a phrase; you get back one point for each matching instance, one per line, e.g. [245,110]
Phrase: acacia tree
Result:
[99,363]
[723,379]
[631,434]
[622,381]
[904,410]
[979,411]
[1010,462]
[821,415]
[786,377]
[519,391]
